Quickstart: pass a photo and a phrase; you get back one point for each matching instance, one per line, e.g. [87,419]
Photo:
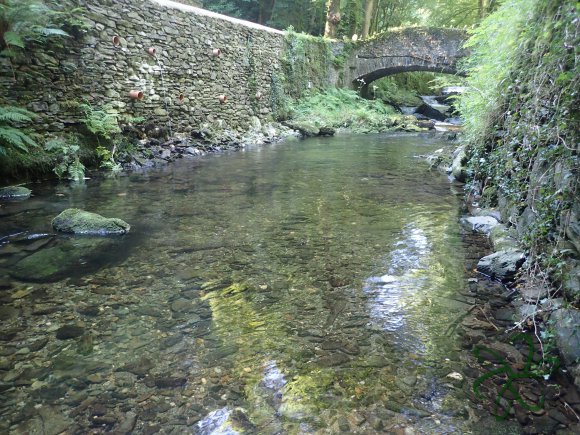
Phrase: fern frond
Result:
[15,138]
[9,114]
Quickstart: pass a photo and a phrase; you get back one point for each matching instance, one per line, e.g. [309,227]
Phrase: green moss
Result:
[77,221]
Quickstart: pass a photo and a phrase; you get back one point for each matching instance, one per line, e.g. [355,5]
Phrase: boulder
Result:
[76,221]
[479,224]
[458,168]
[326,131]
[306,129]
[430,112]
[567,333]
[501,239]
[14,192]
[425,124]
[501,265]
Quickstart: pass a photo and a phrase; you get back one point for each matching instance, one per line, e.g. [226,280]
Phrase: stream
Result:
[303,287]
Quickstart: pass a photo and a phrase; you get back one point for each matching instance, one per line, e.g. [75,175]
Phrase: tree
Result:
[369,12]
[332,18]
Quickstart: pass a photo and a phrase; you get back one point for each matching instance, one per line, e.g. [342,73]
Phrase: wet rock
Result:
[332,360]
[14,192]
[501,265]
[68,257]
[326,131]
[479,224]
[128,423]
[226,421]
[169,382]
[504,314]
[90,310]
[69,331]
[182,306]
[140,367]
[455,378]
[8,312]
[567,332]
[428,124]
[501,239]
[37,345]
[76,221]
[306,129]
[459,166]
[431,112]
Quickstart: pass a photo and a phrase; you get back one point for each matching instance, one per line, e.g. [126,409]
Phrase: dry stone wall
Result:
[181,84]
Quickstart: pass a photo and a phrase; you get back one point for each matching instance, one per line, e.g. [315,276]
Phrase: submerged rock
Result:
[501,265]
[66,258]
[225,421]
[14,192]
[76,221]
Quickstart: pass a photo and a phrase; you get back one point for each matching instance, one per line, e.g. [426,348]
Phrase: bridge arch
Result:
[404,50]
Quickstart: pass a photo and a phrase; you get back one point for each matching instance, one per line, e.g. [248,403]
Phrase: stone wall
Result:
[181,83]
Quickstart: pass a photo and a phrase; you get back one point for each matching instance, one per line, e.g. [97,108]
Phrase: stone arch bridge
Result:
[403,50]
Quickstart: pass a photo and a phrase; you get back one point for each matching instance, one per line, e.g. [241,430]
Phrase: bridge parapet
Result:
[404,50]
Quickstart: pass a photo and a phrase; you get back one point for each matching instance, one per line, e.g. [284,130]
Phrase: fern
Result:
[26,21]
[11,114]
[10,134]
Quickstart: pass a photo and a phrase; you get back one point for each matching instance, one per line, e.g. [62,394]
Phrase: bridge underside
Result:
[366,79]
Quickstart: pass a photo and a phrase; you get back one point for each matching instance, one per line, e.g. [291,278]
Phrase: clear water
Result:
[311,284]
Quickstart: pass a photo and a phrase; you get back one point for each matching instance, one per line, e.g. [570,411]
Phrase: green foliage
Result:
[68,164]
[305,61]
[100,122]
[405,89]
[11,118]
[107,159]
[26,21]
[494,46]
[342,108]
[522,119]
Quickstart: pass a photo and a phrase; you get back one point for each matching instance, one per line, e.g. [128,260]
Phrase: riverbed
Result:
[302,287]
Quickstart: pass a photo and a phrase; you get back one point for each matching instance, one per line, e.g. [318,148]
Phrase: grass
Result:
[344,109]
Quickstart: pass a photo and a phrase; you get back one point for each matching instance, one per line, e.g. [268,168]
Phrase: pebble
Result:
[69,331]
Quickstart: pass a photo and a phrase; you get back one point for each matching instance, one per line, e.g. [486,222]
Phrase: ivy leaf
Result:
[14,39]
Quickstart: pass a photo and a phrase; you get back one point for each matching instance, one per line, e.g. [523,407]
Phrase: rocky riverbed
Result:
[263,292]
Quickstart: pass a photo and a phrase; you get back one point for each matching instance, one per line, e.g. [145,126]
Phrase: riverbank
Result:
[523,362]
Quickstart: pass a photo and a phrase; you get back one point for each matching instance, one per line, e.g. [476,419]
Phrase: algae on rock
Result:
[76,221]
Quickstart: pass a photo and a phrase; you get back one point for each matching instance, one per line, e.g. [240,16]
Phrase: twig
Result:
[488,320]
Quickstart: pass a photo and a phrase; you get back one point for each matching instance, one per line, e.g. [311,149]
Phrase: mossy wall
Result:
[528,161]
[181,84]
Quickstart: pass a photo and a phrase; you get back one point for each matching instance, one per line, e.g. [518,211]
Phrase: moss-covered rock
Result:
[14,192]
[76,221]
[305,128]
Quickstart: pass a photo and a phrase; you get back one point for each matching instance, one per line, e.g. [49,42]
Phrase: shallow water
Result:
[310,284]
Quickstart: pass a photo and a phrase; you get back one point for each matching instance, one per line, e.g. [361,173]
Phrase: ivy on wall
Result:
[524,142]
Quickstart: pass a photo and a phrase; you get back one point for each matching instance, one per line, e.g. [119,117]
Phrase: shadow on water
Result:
[304,287]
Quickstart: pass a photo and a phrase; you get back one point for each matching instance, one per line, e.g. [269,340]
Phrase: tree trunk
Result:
[266,9]
[369,11]
[332,18]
